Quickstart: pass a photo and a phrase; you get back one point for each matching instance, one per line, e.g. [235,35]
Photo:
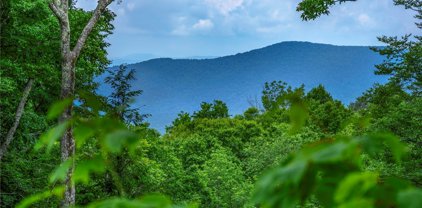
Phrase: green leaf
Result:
[153,201]
[335,152]
[158,201]
[82,133]
[298,115]
[410,198]
[355,186]
[51,136]
[115,141]
[367,203]
[87,167]
[375,143]
[275,187]
[57,108]
[298,112]
[60,173]
[28,201]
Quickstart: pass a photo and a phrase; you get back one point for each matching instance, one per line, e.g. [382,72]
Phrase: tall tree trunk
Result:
[69,57]
[67,144]
[18,115]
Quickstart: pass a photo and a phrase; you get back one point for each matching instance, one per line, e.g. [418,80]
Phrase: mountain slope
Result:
[173,85]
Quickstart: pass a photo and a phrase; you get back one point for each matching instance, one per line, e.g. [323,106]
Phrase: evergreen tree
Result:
[122,95]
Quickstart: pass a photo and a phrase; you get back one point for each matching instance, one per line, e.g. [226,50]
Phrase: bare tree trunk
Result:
[69,57]
[18,115]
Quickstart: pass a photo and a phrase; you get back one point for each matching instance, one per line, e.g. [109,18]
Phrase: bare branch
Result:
[19,112]
[102,5]
[58,12]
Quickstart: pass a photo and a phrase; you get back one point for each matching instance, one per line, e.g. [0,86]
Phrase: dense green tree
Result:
[30,50]
[325,113]
[251,113]
[403,62]
[319,94]
[183,120]
[216,109]
[223,181]
[275,95]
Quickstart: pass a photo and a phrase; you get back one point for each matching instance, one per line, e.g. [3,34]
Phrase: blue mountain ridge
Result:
[173,85]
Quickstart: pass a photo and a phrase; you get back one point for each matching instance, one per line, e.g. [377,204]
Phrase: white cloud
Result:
[365,20]
[181,29]
[247,23]
[184,29]
[130,6]
[203,24]
[225,6]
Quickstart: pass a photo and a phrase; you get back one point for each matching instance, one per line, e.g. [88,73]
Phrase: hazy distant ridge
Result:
[172,85]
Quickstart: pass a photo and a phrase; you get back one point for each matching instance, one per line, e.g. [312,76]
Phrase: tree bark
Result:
[69,57]
[18,115]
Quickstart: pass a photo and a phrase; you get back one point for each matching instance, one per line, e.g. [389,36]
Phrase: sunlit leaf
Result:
[86,167]
[60,173]
[115,141]
[298,112]
[355,186]
[153,201]
[274,187]
[298,115]
[376,143]
[28,201]
[336,152]
[367,203]
[410,198]
[82,133]
[57,108]
[51,136]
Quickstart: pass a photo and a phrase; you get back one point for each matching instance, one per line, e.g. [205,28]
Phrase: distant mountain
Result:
[140,57]
[174,85]
[133,58]
[201,57]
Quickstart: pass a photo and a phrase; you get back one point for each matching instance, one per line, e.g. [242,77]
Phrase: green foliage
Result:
[404,55]
[51,136]
[151,201]
[217,109]
[276,95]
[57,108]
[122,95]
[330,171]
[403,61]
[58,191]
[410,198]
[251,113]
[208,158]
[312,9]
[29,42]
[223,182]
[215,161]
[183,120]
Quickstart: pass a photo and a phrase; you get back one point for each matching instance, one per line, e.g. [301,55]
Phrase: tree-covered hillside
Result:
[173,85]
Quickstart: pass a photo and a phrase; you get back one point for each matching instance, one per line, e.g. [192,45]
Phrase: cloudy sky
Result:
[186,28]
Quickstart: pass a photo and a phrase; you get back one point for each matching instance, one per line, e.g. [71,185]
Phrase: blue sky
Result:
[186,28]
